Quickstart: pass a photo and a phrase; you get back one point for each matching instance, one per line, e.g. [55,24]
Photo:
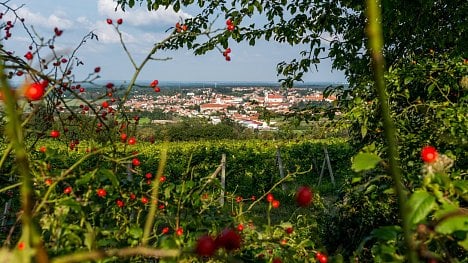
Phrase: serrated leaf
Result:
[365,161]
[452,224]
[420,205]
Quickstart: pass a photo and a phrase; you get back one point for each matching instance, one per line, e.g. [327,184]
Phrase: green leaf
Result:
[452,224]
[135,232]
[420,204]
[408,80]
[176,6]
[365,161]
[386,232]
[444,210]
[111,176]
[84,180]
[464,243]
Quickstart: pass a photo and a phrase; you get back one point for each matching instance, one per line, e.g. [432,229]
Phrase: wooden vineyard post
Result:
[223,178]
[279,161]
[326,161]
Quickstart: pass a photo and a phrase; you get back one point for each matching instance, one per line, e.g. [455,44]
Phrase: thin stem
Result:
[154,196]
[374,31]
[30,235]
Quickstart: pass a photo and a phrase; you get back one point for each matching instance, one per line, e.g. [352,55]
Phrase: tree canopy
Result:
[330,28]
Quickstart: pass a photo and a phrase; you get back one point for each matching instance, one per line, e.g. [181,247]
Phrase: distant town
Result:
[240,104]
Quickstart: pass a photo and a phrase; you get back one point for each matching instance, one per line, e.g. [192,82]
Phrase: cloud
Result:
[141,16]
[57,19]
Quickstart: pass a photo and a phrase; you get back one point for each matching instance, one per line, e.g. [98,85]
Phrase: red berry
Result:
[228,22]
[123,137]
[135,162]
[228,50]
[229,239]
[54,134]
[270,197]
[429,154]
[97,69]
[230,27]
[101,192]
[119,21]
[48,181]
[289,230]
[277,260]
[304,196]
[206,246]
[29,55]
[109,21]
[82,89]
[180,231]
[148,176]
[132,140]
[144,200]
[162,179]
[154,83]
[35,91]
[228,58]
[275,203]
[67,190]
[43,149]
[165,230]
[239,199]
[321,257]
[58,32]
[120,203]
[132,196]
[240,227]
[105,104]
[157,89]
[21,245]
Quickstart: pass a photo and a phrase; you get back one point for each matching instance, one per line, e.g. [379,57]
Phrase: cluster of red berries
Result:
[9,25]
[180,28]
[110,22]
[229,25]
[322,258]
[154,85]
[271,199]
[207,245]
[226,54]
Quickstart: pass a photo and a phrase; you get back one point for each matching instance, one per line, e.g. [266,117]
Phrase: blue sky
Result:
[141,29]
